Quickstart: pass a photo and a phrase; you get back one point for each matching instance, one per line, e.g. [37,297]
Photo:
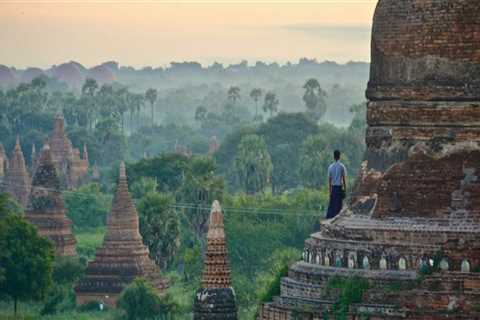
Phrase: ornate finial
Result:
[123,171]
[17,142]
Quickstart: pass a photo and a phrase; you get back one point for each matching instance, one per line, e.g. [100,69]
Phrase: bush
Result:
[140,301]
[67,270]
[88,206]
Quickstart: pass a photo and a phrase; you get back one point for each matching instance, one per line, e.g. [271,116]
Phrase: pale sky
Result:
[154,33]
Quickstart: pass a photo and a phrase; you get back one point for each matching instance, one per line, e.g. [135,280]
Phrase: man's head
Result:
[336,155]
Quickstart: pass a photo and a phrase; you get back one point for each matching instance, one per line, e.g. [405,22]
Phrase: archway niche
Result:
[383,264]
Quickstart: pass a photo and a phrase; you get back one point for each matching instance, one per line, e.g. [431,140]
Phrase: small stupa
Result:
[122,256]
[216,299]
[17,180]
[46,209]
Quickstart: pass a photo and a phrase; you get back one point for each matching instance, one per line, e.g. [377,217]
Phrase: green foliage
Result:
[169,171]
[349,291]
[26,260]
[198,191]
[253,164]
[314,99]
[142,187]
[268,283]
[67,270]
[88,241]
[59,299]
[314,160]
[9,206]
[193,264]
[140,302]
[88,206]
[159,226]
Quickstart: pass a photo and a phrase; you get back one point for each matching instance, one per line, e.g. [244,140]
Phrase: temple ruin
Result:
[46,209]
[17,181]
[72,167]
[216,299]
[122,256]
[3,161]
[412,227]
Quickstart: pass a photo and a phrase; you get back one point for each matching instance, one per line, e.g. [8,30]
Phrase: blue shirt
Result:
[336,171]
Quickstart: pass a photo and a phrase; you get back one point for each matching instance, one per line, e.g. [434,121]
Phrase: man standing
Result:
[337,185]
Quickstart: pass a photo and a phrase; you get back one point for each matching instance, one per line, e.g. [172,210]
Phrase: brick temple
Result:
[71,165]
[122,256]
[412,227]
[46,209]
[17,182]
[216,299]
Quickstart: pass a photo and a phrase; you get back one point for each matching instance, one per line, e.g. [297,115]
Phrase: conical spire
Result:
[85,152]
[216,298]
[122,222]
[17,179]
[216,272]
[46,208]
[122,256]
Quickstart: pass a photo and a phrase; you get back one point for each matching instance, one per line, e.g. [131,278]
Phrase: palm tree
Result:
[271,103]
[314,98]
[255,94]
[234,94]
[151,96]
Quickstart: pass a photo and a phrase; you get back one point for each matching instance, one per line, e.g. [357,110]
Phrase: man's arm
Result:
[330,185]
[344,179]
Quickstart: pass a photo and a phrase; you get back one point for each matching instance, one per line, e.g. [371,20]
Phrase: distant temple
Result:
[122,256]
[213,145]
[46,209]
[216,299]
[17,181]
[73,168]
[411,231]
[182,150]
[3,161]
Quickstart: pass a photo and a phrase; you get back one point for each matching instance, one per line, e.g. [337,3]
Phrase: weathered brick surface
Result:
[216,298]
[122,256]
[46,209]
[426,50]
[416,203]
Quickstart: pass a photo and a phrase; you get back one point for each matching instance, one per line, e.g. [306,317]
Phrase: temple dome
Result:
[425,50]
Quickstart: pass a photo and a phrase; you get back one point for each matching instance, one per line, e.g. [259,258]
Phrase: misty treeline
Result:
[275,127]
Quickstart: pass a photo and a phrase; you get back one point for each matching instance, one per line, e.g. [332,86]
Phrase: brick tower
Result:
[412,227]
[17,180]
[216,299]
[122,256]
[46,209]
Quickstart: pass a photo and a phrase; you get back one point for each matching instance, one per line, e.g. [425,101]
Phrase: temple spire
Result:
[85,152]
[122,256]
[46,208]
[17,179]
[216,298]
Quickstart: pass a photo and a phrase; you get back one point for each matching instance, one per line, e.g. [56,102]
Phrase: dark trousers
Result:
[336,202]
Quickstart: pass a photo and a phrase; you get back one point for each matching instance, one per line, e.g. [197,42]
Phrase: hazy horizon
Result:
[155,33]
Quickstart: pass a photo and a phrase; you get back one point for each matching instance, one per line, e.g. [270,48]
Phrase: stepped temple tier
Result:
[46,209]
[122,256]
[72,167]
[412,228]
[216,299]
[17,180]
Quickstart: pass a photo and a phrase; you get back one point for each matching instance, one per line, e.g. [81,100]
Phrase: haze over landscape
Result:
[239,159]
[154,33]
